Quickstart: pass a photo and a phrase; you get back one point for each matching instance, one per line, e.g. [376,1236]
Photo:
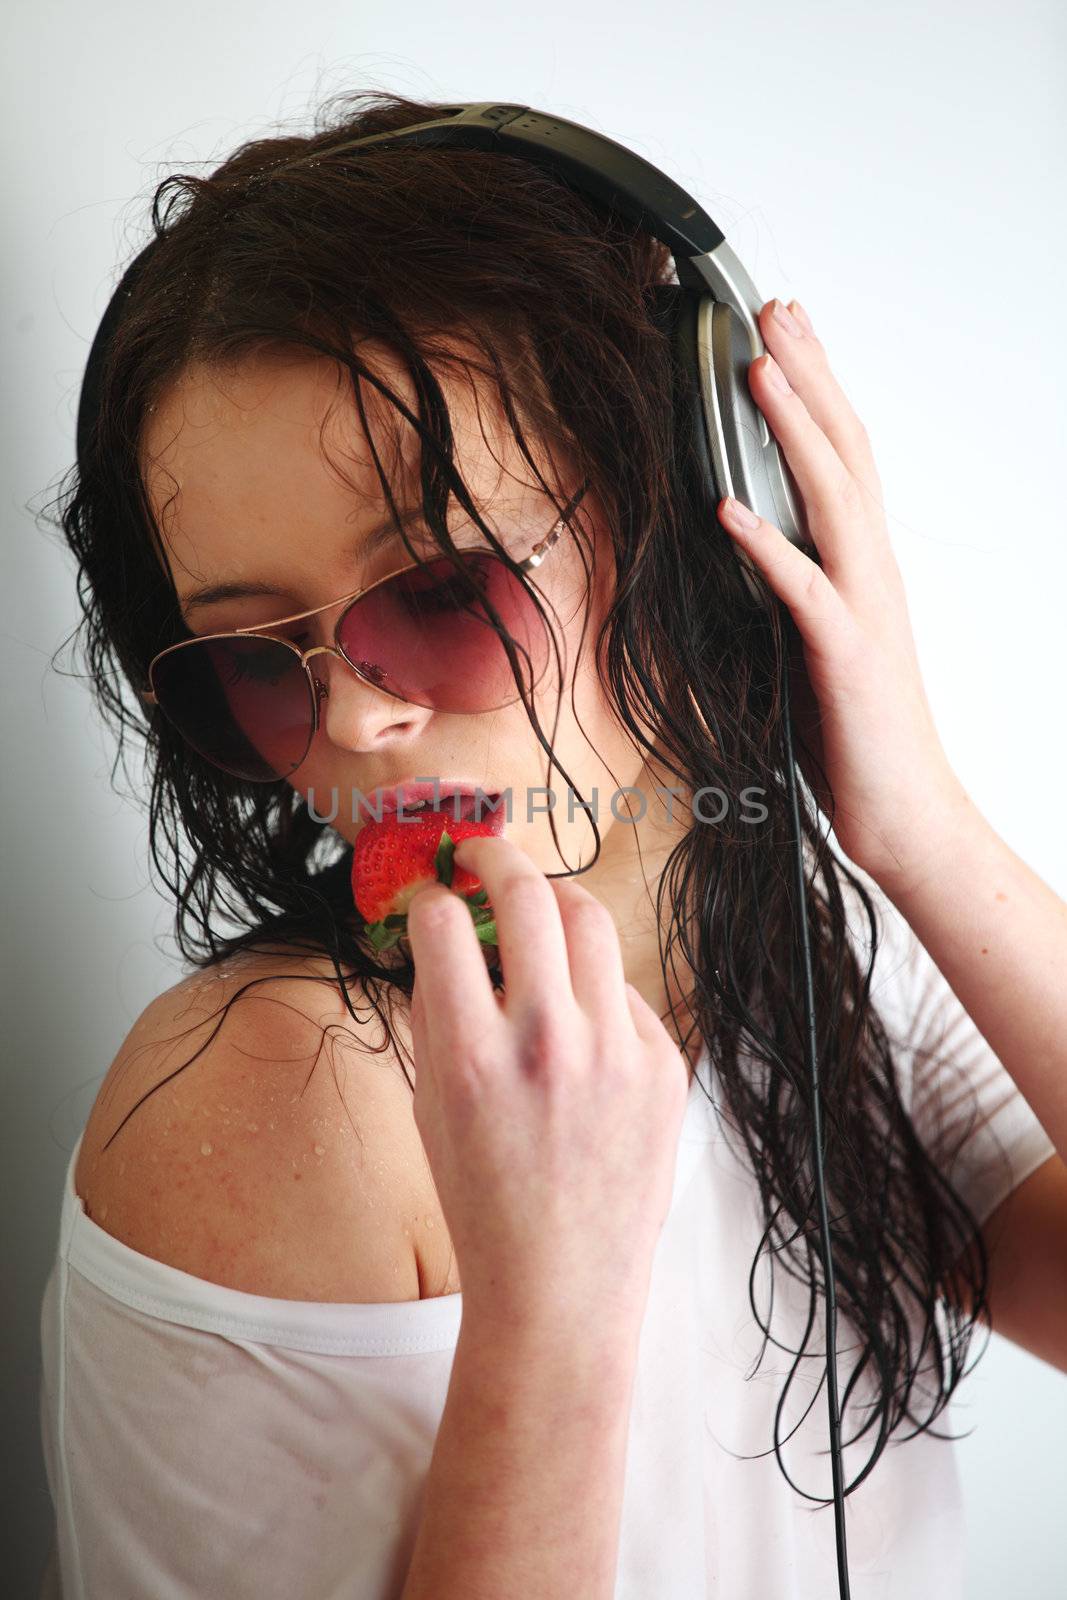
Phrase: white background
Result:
[897,169]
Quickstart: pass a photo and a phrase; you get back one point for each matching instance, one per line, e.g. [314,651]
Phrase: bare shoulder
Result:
[270,1147]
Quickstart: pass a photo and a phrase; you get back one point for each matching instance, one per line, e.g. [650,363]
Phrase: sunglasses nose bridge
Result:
[318,679]
[320,650]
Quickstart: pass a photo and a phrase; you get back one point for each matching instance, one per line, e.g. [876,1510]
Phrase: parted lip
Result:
[409,792]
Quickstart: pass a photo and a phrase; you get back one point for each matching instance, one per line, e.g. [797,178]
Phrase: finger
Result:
[418,1012]
[833,499]
[645,1020]
[593,950]
[806,365]
[454,992]
[650,1028]
[530,938]
[821,615]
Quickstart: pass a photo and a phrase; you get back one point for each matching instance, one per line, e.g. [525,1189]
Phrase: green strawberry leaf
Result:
[486,932]
[479,899]
[442,860]
[381,936]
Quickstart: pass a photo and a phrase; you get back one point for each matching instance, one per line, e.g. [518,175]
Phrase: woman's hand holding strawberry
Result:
[551,1113]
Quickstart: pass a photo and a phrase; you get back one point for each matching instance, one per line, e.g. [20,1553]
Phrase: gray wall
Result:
[897,169]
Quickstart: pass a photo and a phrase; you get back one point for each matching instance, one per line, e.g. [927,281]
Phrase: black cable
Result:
[816,1116]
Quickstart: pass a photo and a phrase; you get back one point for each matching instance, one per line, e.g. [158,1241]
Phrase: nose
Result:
[354,714]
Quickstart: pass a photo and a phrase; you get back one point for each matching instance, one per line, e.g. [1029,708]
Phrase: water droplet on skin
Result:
[428,1221]
[320,1149]
[103,1212]
[205,1149]
[253,1127]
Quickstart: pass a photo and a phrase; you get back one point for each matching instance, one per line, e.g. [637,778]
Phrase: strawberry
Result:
[393,858]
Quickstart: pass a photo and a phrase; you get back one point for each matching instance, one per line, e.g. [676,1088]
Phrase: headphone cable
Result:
[813,1070]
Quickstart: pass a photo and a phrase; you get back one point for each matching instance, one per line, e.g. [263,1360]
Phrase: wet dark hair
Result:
[557,296]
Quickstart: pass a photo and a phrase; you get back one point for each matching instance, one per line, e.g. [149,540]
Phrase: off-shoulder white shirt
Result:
[203,1443]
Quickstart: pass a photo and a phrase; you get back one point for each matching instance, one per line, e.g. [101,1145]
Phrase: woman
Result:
[601,1155]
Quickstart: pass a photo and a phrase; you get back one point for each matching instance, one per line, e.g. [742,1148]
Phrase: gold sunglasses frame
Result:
[320,690]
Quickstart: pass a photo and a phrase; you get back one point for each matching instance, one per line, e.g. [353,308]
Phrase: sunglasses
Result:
[249,703]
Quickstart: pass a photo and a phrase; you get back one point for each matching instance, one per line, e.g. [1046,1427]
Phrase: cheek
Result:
[594,704]
[590,742]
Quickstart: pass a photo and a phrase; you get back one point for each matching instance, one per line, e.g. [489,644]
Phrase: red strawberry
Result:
[395,857]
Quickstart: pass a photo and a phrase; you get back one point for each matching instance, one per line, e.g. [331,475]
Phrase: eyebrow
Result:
[383,534]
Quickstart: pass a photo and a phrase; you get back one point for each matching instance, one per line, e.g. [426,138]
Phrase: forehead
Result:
[273,448]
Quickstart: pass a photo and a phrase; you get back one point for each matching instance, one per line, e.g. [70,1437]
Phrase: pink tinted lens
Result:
[243,702]
[427,636]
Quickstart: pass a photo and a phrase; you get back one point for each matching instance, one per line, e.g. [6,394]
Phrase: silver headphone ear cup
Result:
[744,451]
[733,451]
[712,414]
[733,423]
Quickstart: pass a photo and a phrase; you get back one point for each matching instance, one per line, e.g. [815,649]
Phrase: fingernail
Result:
[801,315]
[740,514]
[776,377]
[784,320]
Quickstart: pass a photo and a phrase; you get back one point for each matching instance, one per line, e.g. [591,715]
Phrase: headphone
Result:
[710,317]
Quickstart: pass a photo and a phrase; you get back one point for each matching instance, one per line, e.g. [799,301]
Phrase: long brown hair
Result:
[289,243]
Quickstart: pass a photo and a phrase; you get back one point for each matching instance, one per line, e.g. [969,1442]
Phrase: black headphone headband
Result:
[711,317]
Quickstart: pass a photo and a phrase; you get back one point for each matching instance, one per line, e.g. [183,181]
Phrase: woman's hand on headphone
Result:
[860,707]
